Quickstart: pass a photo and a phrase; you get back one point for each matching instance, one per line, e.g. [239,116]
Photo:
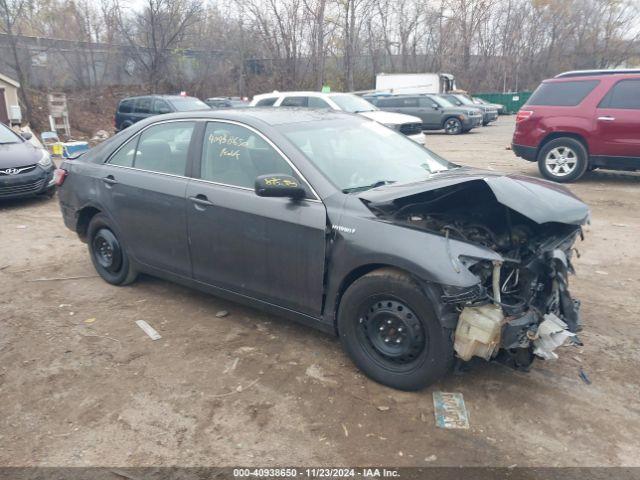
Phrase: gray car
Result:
[338,222]
[435,112]
[25,170]
[490,113]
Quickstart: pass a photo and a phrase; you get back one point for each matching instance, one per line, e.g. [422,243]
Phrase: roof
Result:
[268,115]
[595,73]
[9,80]
[301,93]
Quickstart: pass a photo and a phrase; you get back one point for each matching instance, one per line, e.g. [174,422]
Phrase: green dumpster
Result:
[512,101]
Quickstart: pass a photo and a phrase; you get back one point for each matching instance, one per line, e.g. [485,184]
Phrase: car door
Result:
[272,249]
[618,121]
[431,113]
[144,187]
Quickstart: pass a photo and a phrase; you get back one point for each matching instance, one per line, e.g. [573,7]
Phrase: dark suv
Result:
[435,112]
[133,109]
[579,121]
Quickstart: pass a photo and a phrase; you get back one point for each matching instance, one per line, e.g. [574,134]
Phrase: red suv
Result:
[579,121]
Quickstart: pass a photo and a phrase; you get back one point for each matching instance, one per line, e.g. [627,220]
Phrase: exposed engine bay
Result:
[521,305]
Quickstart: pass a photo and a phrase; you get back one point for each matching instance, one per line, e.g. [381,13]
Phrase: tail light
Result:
[59,175]
[523,115]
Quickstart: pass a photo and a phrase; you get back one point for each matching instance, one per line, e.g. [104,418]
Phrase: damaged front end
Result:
[520,305]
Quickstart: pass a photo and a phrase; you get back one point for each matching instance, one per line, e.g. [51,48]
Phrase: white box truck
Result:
[412,83]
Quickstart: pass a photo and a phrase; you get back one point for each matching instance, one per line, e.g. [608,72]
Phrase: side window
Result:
[124,156]
[295,102]
[410,102]
[315,102]
[160,106]
[235,155]
[426,102]
[266,102]
[625,95]
[126,106]
[389,102]
[163,148]
[143,105]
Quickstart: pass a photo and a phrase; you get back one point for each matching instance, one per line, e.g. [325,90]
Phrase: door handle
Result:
[607,118]
[109,180]
[201,200]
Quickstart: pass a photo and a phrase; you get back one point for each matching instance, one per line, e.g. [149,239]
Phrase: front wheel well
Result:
[556,135]
[354,275]
[84,218]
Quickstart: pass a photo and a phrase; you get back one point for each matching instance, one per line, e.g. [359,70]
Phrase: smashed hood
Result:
[536,199]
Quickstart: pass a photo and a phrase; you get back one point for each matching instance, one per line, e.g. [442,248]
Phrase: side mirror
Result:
[26,135]
[163,110]
[278,185]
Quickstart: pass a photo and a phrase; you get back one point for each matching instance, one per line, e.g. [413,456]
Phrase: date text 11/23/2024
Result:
[316,472]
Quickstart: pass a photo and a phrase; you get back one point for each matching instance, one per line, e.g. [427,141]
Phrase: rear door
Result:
[618,121]
[144,186]
[272,249]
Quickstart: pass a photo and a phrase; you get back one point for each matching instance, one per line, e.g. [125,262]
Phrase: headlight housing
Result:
[45,160]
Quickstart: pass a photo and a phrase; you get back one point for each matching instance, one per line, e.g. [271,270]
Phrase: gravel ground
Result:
[82,385]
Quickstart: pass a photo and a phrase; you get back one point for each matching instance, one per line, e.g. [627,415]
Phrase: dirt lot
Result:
[82,385]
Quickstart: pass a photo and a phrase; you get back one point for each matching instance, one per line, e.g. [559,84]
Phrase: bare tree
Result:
[153,33]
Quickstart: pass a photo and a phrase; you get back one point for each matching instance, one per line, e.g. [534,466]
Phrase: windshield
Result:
[7,135]
[465,100]
[443,102]
[352,103]
[186,104]
[356,154]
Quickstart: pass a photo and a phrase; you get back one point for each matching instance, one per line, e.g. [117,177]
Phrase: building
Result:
[9,105]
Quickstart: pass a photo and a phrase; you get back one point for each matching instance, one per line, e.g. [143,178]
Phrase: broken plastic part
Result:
[552,333]
[478,332]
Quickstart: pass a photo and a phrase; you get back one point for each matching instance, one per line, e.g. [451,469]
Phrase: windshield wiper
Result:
[363,111]
[379,183]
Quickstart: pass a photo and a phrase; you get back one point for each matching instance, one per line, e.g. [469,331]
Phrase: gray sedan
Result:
[338,222]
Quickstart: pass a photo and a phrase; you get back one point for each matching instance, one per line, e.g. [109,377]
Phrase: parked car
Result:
[406,124]
[25,170]
[333,220]
[489,114]
[133,109]
[579,121]
[435,112]
[498,106]
[226,102]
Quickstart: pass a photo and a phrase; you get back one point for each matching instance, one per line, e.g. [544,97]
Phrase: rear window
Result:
[562,94]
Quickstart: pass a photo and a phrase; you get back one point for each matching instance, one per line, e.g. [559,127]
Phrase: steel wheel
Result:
[452,126]
[391,331]
[107,251]
[561,161]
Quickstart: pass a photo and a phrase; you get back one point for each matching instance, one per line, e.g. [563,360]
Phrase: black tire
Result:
[125,125]
[387,304]
[570,157]
[107,253]
[452,126]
